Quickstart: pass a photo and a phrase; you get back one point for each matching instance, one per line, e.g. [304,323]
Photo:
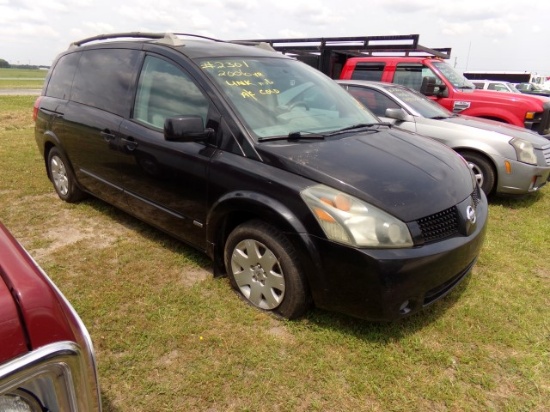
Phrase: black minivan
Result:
[295,190]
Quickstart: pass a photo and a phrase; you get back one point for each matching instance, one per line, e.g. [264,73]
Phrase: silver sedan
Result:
[505,159]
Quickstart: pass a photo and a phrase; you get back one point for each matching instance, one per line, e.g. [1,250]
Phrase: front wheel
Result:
[263,267]
[62,177]
[483,171]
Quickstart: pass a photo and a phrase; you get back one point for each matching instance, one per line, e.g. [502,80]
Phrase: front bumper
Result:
[388,284]
[524,178]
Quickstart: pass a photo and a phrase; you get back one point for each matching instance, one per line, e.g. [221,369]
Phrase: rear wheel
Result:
[62,177]
[483,171]
[263,267]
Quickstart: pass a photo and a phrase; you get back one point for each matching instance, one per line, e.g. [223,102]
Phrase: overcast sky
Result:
[483,34]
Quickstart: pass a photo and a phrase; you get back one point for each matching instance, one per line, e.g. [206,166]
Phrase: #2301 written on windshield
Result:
[239,74]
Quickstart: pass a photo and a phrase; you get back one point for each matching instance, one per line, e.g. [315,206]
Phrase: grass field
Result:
[169,337]
[21,78]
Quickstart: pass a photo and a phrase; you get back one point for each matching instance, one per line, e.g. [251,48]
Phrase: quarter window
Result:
[368,71]
[164,91]
[61,80]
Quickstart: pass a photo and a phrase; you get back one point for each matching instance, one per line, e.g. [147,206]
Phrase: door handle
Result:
[129,143]
[107,135]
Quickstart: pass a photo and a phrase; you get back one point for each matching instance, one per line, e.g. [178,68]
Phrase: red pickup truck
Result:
[400,59]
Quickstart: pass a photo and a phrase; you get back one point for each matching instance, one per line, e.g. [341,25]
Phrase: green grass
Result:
[22,78]
[168,338]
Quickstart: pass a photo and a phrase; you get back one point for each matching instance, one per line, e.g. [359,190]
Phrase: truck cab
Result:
[433,77]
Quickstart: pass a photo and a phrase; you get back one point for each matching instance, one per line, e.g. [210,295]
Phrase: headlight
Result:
[346,219]
[524,151]
[20,401]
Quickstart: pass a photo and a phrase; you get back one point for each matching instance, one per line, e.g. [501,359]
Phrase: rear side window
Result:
[62,75]
[368,71]
[105,79]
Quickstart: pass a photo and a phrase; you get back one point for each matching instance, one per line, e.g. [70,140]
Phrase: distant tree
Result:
[4,64]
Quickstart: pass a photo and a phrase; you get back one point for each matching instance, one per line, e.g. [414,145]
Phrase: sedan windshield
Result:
[418,103]
[284,97]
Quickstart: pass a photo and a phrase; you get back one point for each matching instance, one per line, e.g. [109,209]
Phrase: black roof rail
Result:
[359,45]
[168,38]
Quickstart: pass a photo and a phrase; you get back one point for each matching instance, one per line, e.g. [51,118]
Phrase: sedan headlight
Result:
[348,220]
[524,151]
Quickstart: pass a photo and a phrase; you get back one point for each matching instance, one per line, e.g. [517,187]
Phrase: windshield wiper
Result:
[359,126]
[293,136]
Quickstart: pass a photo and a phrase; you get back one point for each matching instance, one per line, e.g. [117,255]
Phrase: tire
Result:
[263,267]
[483,171]
[62,177]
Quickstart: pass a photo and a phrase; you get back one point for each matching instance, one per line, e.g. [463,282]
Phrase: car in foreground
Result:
[47,362]
[297,201]
[505,159]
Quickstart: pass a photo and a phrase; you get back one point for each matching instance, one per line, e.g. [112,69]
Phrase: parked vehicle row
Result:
[530,88]
[297,193]
[299,201]
[496,85]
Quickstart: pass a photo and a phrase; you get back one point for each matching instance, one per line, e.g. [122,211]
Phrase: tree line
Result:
[4,64]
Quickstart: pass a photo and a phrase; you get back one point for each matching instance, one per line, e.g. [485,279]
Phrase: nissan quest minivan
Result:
[300,201]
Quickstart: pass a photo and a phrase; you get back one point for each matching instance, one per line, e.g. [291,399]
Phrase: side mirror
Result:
[186,129]
[428,86]
[399,114]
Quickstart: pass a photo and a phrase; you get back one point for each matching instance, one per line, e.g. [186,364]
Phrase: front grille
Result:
[439,225]
[544,126]
[546,153]
[476,195]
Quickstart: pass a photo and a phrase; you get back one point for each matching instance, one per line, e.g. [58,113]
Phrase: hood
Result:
[508,130]
[406,175]
[492,95]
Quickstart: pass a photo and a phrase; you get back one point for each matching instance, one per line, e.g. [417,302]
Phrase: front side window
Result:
[277,96]
[164,91]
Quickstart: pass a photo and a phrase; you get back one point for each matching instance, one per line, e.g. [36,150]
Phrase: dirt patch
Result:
[65,226]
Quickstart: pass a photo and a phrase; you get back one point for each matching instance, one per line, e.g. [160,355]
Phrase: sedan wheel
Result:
[483,171]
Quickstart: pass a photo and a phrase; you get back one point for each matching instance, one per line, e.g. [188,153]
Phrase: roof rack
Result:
[360,46]
[167,38]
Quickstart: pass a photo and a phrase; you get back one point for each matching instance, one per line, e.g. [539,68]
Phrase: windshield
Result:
[456,79]
[418,103]
[280,97]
